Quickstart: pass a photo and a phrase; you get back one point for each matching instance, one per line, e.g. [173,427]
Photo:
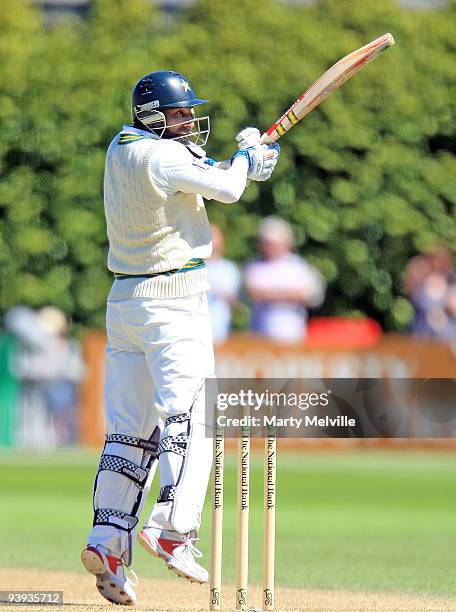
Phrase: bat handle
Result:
[266,139]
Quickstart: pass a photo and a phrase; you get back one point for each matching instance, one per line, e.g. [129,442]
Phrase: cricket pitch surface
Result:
[171,595]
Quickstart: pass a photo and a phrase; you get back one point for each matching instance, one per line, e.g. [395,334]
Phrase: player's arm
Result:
[175,169]
[214,183]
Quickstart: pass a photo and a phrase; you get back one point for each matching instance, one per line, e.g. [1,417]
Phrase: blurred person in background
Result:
[50,367]
[225,282]
[62,388]
[282,285]
[428,281]
[450,312]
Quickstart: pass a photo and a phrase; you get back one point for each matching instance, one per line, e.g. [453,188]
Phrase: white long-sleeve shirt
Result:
[176,169]
[155,214]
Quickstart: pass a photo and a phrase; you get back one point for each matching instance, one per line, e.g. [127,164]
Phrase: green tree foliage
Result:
[366,180]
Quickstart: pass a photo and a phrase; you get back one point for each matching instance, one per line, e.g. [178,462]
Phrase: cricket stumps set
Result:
[242,530]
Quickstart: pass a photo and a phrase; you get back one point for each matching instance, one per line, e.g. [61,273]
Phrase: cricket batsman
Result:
[159,341]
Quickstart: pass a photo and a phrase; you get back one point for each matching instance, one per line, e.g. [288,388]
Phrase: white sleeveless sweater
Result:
[151,231]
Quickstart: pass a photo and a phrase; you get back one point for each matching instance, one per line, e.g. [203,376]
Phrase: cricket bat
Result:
[325,85]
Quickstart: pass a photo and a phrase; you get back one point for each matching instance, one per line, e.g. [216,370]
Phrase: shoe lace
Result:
[133,578]
[188,543]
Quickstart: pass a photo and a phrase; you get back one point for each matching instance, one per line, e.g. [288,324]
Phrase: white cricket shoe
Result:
[112,583]
[179,555]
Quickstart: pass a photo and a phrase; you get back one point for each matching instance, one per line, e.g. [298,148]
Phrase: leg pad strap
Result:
[127,468]
[166,494]
[179,418]
[149,446]
[116,518]
[174,444]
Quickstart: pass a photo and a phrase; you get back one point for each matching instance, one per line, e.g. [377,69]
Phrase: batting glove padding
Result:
[262,160]
[248,137]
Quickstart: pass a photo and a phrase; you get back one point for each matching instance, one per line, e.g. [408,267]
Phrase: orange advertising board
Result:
[247,356]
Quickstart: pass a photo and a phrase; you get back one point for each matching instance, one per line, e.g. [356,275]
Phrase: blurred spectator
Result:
[428,280]
[281,285]
[225,281]
[49,366]
[438,261]
[450,310]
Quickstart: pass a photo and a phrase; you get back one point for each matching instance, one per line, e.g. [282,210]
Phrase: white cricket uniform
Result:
[159,349]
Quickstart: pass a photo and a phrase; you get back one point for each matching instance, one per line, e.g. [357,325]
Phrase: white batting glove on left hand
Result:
[248,137]
[262,160]
[264,163]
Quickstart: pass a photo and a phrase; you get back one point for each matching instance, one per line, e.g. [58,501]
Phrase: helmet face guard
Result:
[167,89]
[155,121]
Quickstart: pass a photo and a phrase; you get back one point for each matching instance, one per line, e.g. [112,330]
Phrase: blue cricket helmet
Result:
[162,89]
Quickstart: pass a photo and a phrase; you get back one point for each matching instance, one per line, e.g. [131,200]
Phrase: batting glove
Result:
[248,137]
[262,160]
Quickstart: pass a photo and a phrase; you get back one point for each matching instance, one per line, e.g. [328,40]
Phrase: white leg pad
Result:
[121,486]
[184,470]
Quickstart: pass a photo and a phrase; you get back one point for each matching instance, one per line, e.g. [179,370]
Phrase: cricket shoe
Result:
[179,555]
[112,583]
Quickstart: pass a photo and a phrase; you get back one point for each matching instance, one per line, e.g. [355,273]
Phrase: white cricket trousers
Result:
[158,354]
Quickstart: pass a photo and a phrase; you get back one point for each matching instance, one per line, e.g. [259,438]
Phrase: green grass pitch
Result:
[355,520]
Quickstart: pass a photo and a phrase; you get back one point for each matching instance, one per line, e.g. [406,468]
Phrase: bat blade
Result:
[333,78]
